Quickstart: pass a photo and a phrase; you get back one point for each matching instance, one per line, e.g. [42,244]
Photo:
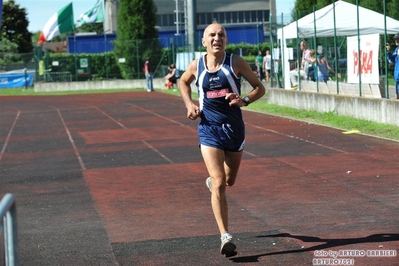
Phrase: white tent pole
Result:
[284,56]
[358,49]
[314,45]
[335,49]
[298,54]
[386,59]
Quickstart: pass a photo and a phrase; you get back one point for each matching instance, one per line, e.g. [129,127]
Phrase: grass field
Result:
[330,119]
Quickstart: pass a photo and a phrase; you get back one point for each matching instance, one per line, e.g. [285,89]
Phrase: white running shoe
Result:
[208,183]
[228,248]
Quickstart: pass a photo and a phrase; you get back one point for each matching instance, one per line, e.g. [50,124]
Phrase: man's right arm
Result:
[185,90]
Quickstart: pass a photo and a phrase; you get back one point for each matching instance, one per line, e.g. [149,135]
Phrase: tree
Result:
[392,9]
[137,37]
[8,53]
[14,26]
[91,27]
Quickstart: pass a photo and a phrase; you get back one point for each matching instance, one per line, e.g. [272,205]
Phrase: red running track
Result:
[118,179]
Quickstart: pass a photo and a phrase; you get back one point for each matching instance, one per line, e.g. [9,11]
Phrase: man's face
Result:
[215,38]
[397,42]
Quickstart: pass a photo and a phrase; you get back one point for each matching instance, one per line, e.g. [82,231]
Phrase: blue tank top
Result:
[322,70]
[212,89]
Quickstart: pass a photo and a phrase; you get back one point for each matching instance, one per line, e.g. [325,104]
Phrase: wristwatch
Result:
[246,100]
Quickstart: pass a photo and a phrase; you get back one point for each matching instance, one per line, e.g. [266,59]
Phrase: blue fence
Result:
[99,43]
[16,80]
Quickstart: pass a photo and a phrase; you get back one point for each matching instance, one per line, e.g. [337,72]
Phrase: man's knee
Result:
[230,183]
[219,184]
[230,180]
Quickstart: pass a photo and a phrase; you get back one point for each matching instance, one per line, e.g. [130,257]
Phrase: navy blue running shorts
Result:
[226,137]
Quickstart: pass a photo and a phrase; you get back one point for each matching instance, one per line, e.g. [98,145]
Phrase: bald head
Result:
[214,38]
[214,27]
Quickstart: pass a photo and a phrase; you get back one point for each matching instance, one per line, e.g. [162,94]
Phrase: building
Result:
[174,15]
[182,22]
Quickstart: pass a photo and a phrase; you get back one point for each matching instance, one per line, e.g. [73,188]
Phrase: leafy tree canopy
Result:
[7,46]
[91,27]
[137,36]
[137,19]
[14,26]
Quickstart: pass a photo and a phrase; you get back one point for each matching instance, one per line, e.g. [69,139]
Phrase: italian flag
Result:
[60,22]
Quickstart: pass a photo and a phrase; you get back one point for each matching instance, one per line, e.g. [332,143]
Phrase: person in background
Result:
[170,78]
[312,66]
[323,67]
[296,73]
[221,131]
[259,64]
[393,58]
[148,75]
[267,63]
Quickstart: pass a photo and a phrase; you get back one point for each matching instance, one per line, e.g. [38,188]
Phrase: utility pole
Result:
[191,25]
[110,13]
[178,11]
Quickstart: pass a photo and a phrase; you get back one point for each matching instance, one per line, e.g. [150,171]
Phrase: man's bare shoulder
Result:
[192,67]
[238,62]
[191,72]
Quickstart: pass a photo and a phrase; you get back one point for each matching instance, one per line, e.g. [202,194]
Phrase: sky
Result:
[40,11]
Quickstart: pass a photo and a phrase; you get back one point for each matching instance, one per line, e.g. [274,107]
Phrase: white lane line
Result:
[163,156]
[110,117]
[146,143]
[293,137]
[82,165]
[9,135]
[164,117]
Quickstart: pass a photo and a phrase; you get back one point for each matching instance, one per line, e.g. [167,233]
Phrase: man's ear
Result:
[203,42]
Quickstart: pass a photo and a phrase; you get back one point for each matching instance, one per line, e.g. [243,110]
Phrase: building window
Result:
[247,16]
[209,18]
[171,19]
[201,19]
[251,16]
[159,19]
[234,17]
[228,17]
[260,16]
[240,16]
[254,18]
[222,17]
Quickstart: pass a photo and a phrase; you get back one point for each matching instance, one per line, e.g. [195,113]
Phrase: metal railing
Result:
[58,76]
[8,228]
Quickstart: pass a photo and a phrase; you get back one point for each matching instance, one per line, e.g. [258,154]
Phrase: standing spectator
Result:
[148,74]
[296,73]
[221,131]
[259,64]
[267,63]
[393,58]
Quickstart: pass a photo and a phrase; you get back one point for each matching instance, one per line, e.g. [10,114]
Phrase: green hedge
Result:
[105,66]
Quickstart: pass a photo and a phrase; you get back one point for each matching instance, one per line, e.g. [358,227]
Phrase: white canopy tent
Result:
[321,24]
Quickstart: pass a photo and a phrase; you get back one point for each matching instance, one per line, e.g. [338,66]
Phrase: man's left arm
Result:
[242,68]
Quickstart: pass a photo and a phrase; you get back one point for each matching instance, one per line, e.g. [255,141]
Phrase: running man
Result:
[221,130]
